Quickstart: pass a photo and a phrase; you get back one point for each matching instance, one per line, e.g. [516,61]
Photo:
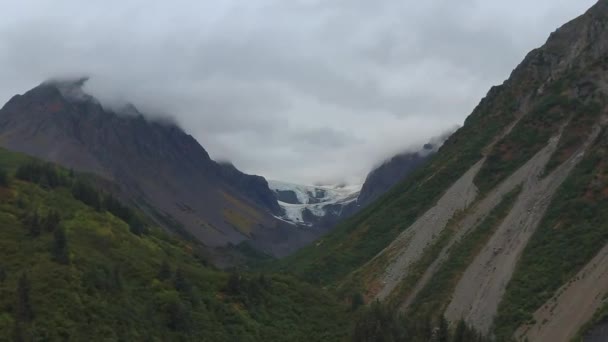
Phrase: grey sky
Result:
[299,90]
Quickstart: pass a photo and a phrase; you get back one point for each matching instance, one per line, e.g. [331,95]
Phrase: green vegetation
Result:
[380,322]
[529,136]
[573,230]
[84,273]
[575,134]
[436,294]
[359,281]
[3,178]
[360,238]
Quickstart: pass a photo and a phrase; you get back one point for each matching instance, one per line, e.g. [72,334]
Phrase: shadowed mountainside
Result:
[158,166]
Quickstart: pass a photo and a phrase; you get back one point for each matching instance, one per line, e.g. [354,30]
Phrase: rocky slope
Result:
[504,228]
[158,166]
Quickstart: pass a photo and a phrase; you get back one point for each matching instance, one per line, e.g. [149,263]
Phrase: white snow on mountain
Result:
[316,199]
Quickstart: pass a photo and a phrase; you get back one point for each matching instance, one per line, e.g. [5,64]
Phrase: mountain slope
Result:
[76,271]
[522,185]
[392,171]
[157,165]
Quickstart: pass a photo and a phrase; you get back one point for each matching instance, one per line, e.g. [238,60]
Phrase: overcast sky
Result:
[296,90]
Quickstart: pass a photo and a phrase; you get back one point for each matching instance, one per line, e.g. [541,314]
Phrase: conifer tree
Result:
[60,249]
[33,224]
[52,220]
[24,309]
[164,272]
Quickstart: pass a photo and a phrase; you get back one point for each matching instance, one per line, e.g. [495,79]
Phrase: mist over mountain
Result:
[503,229]
[322,206]
[203,178]
[158,165]
[269,84]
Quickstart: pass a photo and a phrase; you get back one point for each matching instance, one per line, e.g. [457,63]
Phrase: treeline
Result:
[380,322]
[49,176]
[43,174]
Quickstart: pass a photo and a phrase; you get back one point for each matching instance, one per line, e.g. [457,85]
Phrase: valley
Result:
[119,226]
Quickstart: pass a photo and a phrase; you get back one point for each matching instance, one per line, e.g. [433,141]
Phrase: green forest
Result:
[77,265]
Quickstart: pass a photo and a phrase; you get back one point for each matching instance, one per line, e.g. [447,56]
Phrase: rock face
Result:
[158,165]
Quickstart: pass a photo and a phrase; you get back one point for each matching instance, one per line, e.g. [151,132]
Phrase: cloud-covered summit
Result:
[302,90]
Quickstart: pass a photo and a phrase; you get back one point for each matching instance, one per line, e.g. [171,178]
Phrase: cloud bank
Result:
[302,90]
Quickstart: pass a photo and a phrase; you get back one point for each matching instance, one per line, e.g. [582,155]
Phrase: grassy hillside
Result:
[76,265]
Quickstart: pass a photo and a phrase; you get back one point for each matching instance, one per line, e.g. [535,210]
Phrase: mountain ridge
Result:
[542,131]
[155,162]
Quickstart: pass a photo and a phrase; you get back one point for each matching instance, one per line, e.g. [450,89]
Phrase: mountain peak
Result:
[71,88]
[153,160]
[77,81]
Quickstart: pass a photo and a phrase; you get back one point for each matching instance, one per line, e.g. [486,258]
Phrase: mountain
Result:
[72,268]
[385,176]
[394,170]
[159,167]
[504,229]
[322,207]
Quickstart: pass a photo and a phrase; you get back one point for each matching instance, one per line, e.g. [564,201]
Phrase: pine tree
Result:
[443,333]
[3,178]
[60,247]
[52,220]
[164,272]
[117,281]
[178,316]
[357,301]
[32,222]
[18,332]
[459,334]
[181,283]
[233,287]
[263,281]
[86,194]
[24,309]
[136,226]
[2,274]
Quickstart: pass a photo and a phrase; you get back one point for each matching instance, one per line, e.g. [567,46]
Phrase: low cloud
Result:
[304,90]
